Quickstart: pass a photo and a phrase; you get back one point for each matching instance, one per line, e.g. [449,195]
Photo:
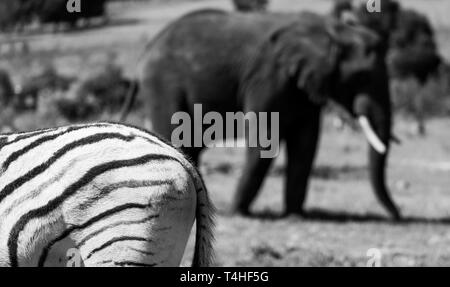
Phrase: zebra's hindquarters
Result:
[98,195]
[148,220]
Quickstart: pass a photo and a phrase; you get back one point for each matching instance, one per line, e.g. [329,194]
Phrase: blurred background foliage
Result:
[15,14]
[50,85]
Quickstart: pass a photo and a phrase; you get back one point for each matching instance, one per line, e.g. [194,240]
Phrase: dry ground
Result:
[346,220]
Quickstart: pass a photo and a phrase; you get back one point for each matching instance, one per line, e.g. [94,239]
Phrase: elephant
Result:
[407,35]
[288,63]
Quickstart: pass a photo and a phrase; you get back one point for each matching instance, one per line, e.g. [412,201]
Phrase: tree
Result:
[250,5]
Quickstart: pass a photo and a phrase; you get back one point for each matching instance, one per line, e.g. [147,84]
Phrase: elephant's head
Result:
[328,59]
[360,84]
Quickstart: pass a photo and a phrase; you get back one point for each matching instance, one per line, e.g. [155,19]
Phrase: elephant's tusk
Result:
[371,136]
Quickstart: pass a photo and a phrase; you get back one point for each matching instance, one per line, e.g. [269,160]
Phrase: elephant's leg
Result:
[301,143]
[377,167]
[250,181]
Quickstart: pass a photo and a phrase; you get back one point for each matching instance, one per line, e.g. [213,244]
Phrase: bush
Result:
[7,7]
[412,99]
[6,89]
[54,11]
[20,12]
[75,109]
[101,90]
[250,5]
[32,88]
[16,12]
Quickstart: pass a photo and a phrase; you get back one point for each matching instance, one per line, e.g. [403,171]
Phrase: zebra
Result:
[116,194]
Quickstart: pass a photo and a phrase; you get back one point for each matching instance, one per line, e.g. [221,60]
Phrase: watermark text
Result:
[73,6]
[212,130]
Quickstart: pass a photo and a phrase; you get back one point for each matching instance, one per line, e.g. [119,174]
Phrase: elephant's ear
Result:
[307,56]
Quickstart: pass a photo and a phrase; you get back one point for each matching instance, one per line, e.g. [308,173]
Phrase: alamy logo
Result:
[253,126]
[73,6]
[375,257]
[74,258]
[373,6]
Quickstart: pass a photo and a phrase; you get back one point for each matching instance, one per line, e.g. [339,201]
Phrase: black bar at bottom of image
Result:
[220,276]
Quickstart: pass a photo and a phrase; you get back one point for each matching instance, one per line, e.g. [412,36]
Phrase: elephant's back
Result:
[220,30]
[214,40]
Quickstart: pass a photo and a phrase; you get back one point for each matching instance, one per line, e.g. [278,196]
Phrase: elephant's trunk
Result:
[377,171]
[375,122]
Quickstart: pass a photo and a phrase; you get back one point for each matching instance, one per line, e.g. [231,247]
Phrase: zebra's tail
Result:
[204,238]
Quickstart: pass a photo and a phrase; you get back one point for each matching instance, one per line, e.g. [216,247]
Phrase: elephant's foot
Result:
[239,211]
[294,213]
[396,215]
[392,209]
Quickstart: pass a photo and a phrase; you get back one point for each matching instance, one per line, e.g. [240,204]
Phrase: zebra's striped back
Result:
[114,194]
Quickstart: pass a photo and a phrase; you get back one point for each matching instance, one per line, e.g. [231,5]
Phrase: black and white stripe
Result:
[118,195]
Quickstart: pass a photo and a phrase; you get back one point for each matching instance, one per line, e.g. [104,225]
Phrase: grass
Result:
[345,218]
